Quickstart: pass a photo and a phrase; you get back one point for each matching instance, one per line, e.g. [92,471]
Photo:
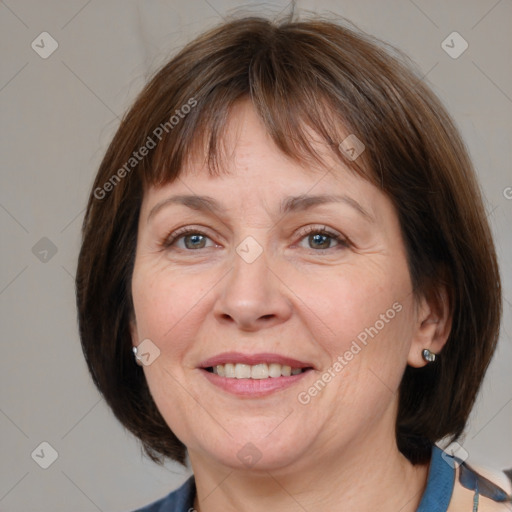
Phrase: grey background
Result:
[58,116]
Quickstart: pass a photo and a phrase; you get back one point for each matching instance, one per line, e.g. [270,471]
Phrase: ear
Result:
[433,324]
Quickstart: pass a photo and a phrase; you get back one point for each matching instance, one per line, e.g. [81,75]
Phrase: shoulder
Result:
[180,500]
[481,488]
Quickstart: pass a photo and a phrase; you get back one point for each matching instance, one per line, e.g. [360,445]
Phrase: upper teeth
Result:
[257,371]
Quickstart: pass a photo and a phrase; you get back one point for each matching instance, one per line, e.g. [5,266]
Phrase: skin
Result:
[295,300]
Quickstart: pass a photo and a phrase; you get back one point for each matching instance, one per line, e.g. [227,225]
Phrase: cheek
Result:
[365,317]
[351,302]
[162,303]
[164,306]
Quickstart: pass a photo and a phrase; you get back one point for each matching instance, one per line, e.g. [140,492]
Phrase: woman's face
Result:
[261,284]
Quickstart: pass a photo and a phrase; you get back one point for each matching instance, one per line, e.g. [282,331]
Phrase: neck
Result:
[368,474]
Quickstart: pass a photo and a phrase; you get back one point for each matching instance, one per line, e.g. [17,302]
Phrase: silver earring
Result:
[137,360]
[428,356]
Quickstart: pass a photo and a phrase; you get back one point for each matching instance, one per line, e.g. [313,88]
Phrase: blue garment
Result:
[441,477]
[436,498]
[180,500]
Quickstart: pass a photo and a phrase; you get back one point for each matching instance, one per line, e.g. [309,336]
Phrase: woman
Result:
[287,236]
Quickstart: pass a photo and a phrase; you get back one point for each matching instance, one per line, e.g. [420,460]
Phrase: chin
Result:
[257,448]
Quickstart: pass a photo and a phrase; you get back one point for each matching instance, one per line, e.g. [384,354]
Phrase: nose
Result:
[253,296]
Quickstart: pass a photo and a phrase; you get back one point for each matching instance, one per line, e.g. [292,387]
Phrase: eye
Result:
[321,239]
[193,239]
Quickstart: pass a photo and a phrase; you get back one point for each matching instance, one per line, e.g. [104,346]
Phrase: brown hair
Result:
[302,77]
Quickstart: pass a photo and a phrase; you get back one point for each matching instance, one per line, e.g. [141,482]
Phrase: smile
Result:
[256,371]
[254,375]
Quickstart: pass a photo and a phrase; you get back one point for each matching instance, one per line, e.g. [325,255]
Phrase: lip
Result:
[253,388]
[252,359]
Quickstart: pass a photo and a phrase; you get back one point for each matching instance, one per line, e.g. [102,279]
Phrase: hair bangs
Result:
[305,119]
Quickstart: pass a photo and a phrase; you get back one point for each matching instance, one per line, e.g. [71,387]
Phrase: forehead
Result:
[254,170]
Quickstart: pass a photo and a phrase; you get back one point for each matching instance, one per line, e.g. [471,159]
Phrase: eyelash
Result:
[342,241]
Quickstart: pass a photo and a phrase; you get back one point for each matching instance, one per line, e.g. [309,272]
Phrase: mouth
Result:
[258,371]
[235,365]
[253,375]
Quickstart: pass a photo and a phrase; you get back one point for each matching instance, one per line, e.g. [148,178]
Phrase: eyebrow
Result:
[288,205]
